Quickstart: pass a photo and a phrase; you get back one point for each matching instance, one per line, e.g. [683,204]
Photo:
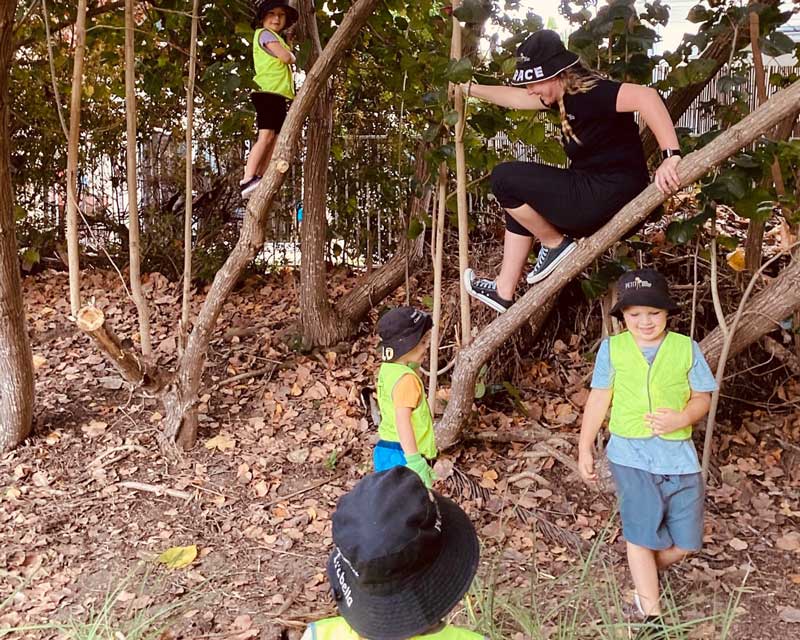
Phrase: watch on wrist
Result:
[668,153]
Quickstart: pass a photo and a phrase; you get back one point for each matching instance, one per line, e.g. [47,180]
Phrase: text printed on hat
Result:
[638,283]
[528,75]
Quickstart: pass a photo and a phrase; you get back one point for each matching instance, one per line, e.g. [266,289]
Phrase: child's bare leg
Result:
[263,145]
[642,563]
[666,557]
[515,254]
[262,166]
[538,225]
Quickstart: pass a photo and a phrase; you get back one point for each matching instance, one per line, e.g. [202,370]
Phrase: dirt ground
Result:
[276,451]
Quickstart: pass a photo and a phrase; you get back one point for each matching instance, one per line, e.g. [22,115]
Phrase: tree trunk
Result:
[187,215]
[690,169]
[755,229]
[133,207]
[719,50]
[73,248]
[762,315]
[182,395]
[16,363]
[319,324]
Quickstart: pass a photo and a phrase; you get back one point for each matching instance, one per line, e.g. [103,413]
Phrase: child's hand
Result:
[586,466]
[420,466]
[665,421]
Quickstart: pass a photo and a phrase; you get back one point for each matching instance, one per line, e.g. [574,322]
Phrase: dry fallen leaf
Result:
[298,456]
[38,361]
[178,557]
[739,545]
[221,442]
[94,428]
[789,614]
[789,541]
[735,259]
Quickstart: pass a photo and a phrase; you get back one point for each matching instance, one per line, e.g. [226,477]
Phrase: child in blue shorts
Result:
[406,428]
[658,385]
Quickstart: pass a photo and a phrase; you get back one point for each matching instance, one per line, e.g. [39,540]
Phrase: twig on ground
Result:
[124,447]
[154,488]
[246,375]
[294,494]
[529,475]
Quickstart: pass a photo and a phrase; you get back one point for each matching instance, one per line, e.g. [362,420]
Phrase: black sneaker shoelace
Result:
[485,284]
[541,258]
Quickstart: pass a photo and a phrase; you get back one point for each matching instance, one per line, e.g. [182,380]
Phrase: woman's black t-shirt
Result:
[610,141]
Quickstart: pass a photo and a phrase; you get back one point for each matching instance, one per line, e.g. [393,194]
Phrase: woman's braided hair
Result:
[578,78]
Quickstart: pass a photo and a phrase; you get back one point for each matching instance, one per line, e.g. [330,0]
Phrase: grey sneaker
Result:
[249,186]
[549,259]
[486,291]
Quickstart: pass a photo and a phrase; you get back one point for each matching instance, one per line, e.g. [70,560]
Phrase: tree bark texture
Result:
[719,50]
[755,229]
[691,168]
[134,252]
[762,315]
[73,248]
[182,395]
[16,362]
[319,324]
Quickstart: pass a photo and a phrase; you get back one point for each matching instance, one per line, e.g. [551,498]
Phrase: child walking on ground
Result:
[607,164]
[406,428]
[403,558]
[273,75]
[658,385]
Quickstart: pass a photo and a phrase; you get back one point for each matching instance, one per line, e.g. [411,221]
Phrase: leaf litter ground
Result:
[88,503]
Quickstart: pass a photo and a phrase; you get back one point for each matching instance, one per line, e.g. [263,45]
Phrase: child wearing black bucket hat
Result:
[272,58]
[403,558]
[607,164]
[657,384]
[406,426]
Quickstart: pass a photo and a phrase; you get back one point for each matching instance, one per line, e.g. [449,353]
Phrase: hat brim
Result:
[644,298]
[401,346]
[421,600]
[551,68]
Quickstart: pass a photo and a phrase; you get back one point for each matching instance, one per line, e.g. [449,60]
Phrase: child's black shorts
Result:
[270,110]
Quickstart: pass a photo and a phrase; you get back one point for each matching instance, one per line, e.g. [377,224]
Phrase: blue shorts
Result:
[659,511]
[387,455]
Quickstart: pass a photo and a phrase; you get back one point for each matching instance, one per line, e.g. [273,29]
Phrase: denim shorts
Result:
[659,511]
[387,455]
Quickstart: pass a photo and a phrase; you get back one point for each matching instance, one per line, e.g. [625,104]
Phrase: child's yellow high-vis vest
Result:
[338,629]
[389,375]
[272,74]
[641,388]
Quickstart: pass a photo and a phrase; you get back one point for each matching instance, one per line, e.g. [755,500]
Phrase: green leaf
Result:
[472,11]
[415,227]
[552,152]
[480,390]
[178,557]
[776,44]
[698,13]
[459,70]
[681,231]
[451,117]
[755,205]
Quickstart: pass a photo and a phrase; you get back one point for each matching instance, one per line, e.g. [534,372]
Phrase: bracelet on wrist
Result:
[668,153]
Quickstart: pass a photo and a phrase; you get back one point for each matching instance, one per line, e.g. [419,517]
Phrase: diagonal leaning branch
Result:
[182,393]
[694,166]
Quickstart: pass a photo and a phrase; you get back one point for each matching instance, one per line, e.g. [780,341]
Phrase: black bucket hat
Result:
[403,556]
[268,5]
[401,329]
[643,287]
[542,56]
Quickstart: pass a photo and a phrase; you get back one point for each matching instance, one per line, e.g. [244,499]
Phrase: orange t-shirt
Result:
[407,392]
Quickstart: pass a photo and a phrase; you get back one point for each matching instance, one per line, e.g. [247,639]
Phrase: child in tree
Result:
[406,428]
[273,75]
[403,557]
[658,385]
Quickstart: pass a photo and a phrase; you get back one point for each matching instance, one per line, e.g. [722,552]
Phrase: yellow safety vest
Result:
[338,629]
[389,375]
[272,74]
[641,388]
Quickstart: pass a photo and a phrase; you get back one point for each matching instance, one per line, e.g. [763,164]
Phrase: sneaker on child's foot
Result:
[549,258]
[486,291]
[248,186]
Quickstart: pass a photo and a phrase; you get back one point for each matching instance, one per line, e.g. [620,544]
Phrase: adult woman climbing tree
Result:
[607,165]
